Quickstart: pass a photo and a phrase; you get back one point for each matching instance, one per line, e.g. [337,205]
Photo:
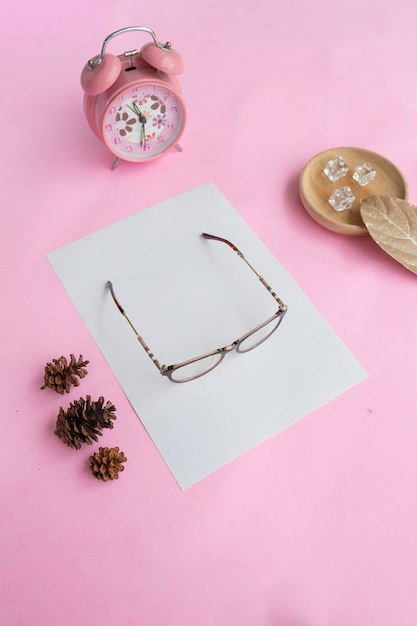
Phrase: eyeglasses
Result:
[200,365]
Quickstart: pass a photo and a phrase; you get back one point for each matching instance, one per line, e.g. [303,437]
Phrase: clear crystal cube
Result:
[364,174]
[342,199]
[335,169]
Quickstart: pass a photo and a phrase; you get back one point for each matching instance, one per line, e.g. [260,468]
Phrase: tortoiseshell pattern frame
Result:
[220,353]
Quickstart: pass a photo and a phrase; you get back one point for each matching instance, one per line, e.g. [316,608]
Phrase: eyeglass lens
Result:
[259,335]
[196,368]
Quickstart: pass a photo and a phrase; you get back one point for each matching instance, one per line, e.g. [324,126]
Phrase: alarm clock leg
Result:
[115,163]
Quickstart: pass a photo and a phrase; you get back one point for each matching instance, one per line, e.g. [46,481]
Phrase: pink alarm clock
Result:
[133,101]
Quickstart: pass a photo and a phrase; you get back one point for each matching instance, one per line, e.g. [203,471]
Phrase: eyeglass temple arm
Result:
[139,338]
[239,253]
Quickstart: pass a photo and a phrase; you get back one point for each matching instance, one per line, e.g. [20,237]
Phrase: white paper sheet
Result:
[187,296]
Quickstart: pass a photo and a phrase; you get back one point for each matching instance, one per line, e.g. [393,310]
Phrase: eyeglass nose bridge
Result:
[230,347]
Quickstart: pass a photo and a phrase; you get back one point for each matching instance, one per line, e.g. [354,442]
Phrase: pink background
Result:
[317,526]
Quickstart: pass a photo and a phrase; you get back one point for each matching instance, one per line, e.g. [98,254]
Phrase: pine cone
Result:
[60,375]
[107,463]
[83,421]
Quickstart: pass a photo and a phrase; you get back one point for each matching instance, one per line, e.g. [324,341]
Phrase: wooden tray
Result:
[316,188]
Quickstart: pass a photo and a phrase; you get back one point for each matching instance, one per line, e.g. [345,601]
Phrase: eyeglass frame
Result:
[169,370]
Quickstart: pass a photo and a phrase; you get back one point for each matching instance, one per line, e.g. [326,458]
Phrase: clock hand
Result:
[135,109]
[142,120]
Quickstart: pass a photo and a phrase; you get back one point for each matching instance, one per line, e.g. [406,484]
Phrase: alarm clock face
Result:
[143,122]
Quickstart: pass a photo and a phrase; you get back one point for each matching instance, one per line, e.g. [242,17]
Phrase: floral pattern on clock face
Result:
[143,122]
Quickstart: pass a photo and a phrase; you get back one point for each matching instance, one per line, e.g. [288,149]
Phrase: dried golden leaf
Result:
[392,224]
